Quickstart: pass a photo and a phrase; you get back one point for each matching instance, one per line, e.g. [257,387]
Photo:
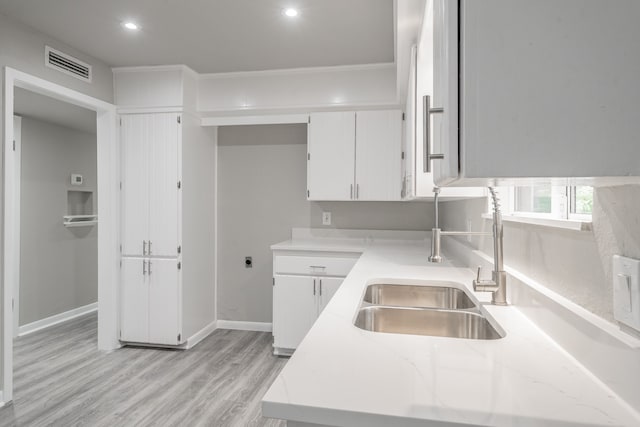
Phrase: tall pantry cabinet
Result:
[168,193]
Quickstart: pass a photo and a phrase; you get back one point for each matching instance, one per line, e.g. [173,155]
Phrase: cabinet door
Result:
[294,309]
[134,137]
[165,301]
[409,131]
[327,287]
[330,161]
[378,155]
[164,158]
[134,301]
[445,91]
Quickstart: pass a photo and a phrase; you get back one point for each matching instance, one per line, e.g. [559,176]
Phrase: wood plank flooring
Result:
[61,379]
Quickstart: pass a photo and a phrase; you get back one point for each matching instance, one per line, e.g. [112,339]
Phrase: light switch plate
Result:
[626,291]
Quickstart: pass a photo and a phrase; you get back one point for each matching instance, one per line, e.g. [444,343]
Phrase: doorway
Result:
[107,202]
[56,177]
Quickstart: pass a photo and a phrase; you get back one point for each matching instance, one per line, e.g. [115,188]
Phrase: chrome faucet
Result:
[498,283]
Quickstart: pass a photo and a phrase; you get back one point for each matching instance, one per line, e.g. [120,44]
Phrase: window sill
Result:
[566,224]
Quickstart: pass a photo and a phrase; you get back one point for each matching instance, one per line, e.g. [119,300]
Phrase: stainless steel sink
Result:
[420,321]
[446,297]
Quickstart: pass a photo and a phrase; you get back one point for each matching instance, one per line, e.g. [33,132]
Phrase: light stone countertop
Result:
[345,376]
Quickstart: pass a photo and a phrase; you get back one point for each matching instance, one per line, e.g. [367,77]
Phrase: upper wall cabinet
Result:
[534,89]
[417,181]
[355,155]
[150,177]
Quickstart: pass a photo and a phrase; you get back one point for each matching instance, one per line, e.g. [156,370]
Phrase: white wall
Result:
[198,225]
[314,88]
[575,264]
[22,47]
[59,265]
[261,196]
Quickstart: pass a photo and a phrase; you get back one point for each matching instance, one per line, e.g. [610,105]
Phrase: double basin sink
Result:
[436,308]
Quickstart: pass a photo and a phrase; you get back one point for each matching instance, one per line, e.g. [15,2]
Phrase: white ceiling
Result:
[213,36]
[46,109]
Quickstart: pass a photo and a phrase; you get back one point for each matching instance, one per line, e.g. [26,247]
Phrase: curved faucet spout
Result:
[498,283]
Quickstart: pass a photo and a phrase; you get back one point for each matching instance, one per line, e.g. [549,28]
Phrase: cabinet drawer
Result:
[313,265]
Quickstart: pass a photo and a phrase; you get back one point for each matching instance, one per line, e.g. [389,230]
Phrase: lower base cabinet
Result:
[297,303]
[150,301]
[303,285]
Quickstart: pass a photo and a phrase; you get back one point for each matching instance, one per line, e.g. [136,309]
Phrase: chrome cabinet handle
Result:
[426,133]
[351,192]
[357,191]
[149,268]
[144,247]
[149,247]
[314,286]
[144,268]
[320,287]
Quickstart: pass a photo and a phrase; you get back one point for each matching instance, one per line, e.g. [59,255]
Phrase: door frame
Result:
[108,165]
[17,138]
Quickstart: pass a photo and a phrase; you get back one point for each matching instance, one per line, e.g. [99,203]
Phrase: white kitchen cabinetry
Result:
[149,310]
[167,277]
[150,184]
[331,156]
[327,287]
[355,156]
[540,93]
[417,182]
[295,308]
[303,285]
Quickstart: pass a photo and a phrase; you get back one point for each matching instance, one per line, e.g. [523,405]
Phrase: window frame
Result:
[562,205]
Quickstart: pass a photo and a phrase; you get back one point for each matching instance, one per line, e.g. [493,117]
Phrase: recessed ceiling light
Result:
[129,25]
[290,12]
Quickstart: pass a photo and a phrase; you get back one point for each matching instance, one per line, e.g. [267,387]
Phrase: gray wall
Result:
[261,196]
[59,265]
[575,264]
[22,47]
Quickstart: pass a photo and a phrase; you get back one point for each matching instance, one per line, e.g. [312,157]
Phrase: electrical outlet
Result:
[326,218]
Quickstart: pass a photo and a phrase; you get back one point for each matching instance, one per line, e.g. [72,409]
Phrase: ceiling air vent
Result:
[67,64]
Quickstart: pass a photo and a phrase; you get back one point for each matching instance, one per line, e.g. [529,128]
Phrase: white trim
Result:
[200,335]
[149,110]
[32,327]
[17,137]
[304,70]
[245,326]
[255,120]
[148,68]
[301,109]
[566,224]
[215,230]
[108,211]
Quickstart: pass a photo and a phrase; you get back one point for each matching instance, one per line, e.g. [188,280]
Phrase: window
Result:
[547,201]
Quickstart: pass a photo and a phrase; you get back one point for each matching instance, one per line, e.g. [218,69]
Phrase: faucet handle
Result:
[478,274]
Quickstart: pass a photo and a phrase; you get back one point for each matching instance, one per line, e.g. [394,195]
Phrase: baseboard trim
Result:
[1,399]
[245,326]
[200,335]
[57,318]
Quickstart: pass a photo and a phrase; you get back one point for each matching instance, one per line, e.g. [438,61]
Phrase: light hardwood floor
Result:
[61,379]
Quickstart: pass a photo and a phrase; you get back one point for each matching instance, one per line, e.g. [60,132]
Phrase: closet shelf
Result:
[80,220]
